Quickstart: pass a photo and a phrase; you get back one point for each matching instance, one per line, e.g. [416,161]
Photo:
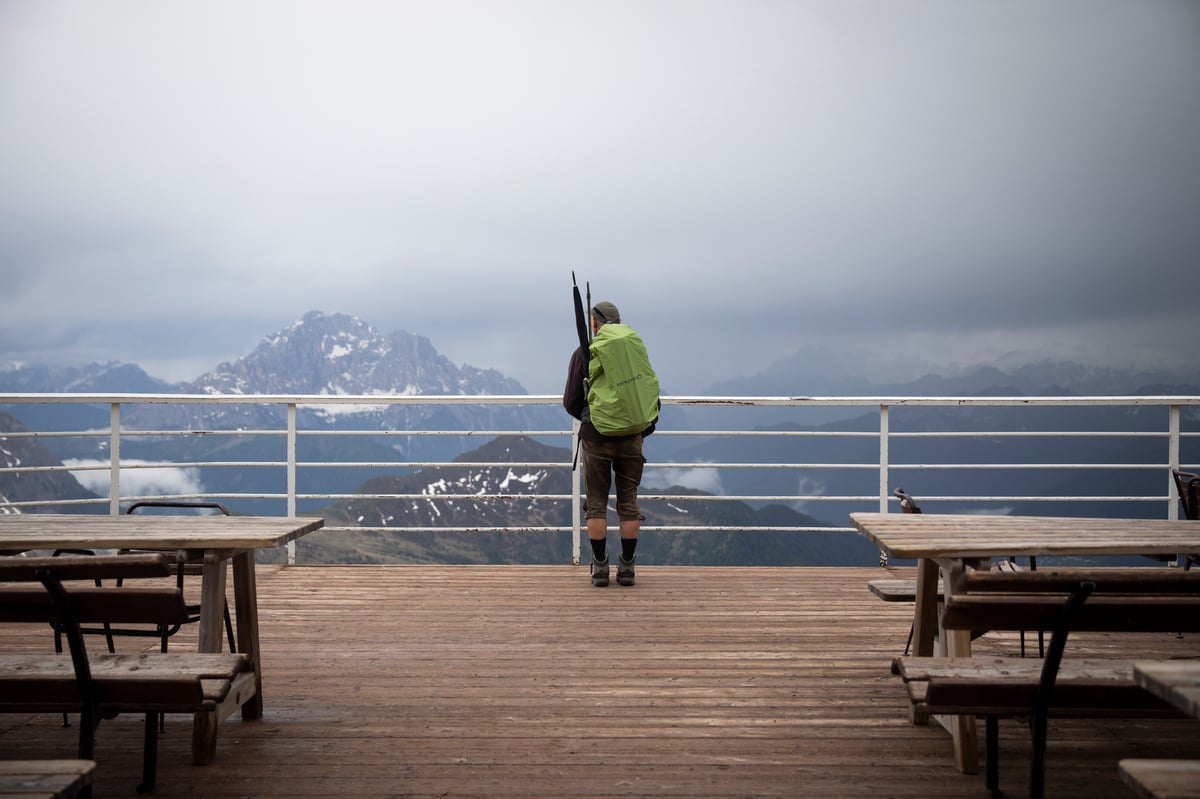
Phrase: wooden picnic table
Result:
[213,540]
[946,545]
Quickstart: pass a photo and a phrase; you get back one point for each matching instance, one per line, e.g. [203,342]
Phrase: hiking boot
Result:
[600,572]
[624,570]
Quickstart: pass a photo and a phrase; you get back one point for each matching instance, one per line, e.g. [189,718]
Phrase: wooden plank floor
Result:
[514,681]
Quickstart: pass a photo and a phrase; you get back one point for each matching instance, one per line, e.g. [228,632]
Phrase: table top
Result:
[25,531]
[1174,681]
[936,535]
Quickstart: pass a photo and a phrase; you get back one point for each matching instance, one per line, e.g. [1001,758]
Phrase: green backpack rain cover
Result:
[622,387]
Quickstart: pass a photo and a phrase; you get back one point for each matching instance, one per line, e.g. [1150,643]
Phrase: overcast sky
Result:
[955,179]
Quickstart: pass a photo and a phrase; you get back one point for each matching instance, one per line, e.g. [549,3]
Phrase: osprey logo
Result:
[624,383]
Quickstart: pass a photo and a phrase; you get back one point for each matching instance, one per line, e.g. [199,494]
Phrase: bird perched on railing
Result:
[908,505]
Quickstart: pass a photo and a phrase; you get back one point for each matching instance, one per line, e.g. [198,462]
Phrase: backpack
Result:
[622,387]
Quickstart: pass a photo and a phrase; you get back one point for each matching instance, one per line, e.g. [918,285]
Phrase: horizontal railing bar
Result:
[1029,466]
[38,503]
[934,434]
[143,433]
[723,498]
[104,467]
[771,433]
[331,528]
[283,432]
[558,465]
[282,399]
[555,399]
[447,433]
[202,464]
[894,465]
[59,434]
[1031,434]
[736,465]
[454,497]
[432,464]
[36,469]
[909,401]
[645,528]
[1093,498]
[564,497]
[172,433]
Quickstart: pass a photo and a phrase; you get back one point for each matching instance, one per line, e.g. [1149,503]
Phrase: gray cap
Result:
[606,312]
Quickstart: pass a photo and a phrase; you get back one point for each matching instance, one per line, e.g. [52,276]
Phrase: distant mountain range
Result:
[338,354]
[322,354]
[817,372]
[516,482]
[319,354]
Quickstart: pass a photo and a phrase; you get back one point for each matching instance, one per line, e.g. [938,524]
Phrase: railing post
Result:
[1172,462]
[576,487]
[114,454]
[883,459]
[291,475]
[883,471]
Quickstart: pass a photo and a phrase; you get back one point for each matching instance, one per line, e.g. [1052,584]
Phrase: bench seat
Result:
[1008,687]
[898,589]
[45,779]
[99,686]
[164,682]
[1162,779]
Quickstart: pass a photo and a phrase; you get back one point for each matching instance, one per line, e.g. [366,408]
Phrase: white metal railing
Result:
[1174,441]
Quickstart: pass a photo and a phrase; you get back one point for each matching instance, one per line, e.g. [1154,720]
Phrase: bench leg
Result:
[1037,765]
[992,753]
[149,753]
[1041,702]
[204,737]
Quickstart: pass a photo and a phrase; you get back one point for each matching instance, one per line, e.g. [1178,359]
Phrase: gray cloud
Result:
[741,178]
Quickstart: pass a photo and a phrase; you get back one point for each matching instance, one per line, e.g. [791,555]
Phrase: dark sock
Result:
[628,545]
[598,549]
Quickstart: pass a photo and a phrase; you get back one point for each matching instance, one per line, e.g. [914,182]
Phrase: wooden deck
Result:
[513,681]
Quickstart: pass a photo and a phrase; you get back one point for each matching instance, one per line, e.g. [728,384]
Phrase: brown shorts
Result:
[600,461]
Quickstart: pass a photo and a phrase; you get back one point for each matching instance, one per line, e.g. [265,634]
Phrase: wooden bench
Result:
[898,589]
[904,589]
[102,685]
[45,779]
[1062,600]
[1162,779]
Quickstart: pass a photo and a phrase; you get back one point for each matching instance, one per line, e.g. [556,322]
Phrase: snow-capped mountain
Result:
[334,355]
[320,354]
[340,354]
[501,467]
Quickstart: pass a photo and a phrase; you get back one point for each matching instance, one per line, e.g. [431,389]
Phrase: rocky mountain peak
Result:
[340,354]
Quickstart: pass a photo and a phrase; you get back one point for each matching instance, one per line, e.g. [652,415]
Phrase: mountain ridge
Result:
[530,515]
[338,353]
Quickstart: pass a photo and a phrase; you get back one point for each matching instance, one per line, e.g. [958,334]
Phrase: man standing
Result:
[612,390]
